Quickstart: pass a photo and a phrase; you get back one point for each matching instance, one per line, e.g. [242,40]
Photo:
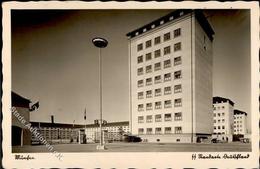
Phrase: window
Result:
[157,66]
[148,56]
[158,118]
[158,105]
[140,95]
[223,120]
[167,90]
[168,117]
[149,118]
[177,32]
[140,59]
[167,104]
[140,131]
[178,116]
[167,63]
[177,60]
[218,114]
[177,103]
[167,50]
[148,81]
[140,119]
[140,83]
[178,130]
[218,127]
[157,53]
[223,114]
[157,40]
[223,127]
[149,131]
[157,79]
[177,46]
[148,69]
[177,88]
[177,74]
[140,71]
[215,127]
[148,43]
[167,36]
[149,94]
[149,106]
[139,47]
[167,77]
[140,107]
[158,130]
[167,130]
[158,92]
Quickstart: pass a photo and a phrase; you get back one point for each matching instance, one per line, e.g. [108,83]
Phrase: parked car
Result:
[130,138]
[214,140]
[244,140]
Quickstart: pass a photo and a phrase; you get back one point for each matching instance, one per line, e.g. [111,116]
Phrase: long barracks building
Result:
[171,78]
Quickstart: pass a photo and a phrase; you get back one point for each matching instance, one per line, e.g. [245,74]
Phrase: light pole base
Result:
[101,147]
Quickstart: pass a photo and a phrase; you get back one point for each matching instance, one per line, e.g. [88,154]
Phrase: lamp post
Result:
[100,43]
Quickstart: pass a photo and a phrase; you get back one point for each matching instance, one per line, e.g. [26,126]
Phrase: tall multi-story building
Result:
[171,78]
[223,118]
[240,118]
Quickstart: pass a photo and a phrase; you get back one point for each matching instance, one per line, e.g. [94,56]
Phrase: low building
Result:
[20,112]
[69,133]
[223,119]
[113,131]
[56,132]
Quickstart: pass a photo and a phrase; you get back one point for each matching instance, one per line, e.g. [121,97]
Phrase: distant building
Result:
[57,132]
[240,119]
[171,78]
[69,133]
[113,131]
[20,111]
[223,119]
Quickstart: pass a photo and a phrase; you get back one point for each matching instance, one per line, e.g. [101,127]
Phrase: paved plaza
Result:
[140,147]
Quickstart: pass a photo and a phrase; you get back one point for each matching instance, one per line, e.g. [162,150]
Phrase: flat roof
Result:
[176,14]
[239,112]
[19,101]
[218,99]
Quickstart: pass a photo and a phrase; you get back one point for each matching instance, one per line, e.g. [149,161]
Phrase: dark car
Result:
[130,138]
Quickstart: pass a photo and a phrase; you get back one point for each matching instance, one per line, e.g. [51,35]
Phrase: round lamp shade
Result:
[99,42]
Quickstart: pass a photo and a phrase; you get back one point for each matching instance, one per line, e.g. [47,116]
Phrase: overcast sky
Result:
[55,62]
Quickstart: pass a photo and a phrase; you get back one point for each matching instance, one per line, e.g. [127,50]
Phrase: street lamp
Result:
[100,43]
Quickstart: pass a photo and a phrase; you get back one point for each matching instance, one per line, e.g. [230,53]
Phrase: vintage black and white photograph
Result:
[100,81]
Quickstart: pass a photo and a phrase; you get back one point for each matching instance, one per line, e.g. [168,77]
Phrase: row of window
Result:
[237,122]
[158,66]
[219,133]
[238,117]
[237,126]
[158,91]
[158,130]
[219,120]
[158,79]
[219,127]
[238,130]
[218,107]
[157,53]
[218,114]
[158,117]
[157,40]
[158,104]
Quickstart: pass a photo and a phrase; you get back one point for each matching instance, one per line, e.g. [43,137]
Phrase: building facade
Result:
[223,119]
[69,133]
[240,122]
[113,131]
[20,111]
[171,78]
